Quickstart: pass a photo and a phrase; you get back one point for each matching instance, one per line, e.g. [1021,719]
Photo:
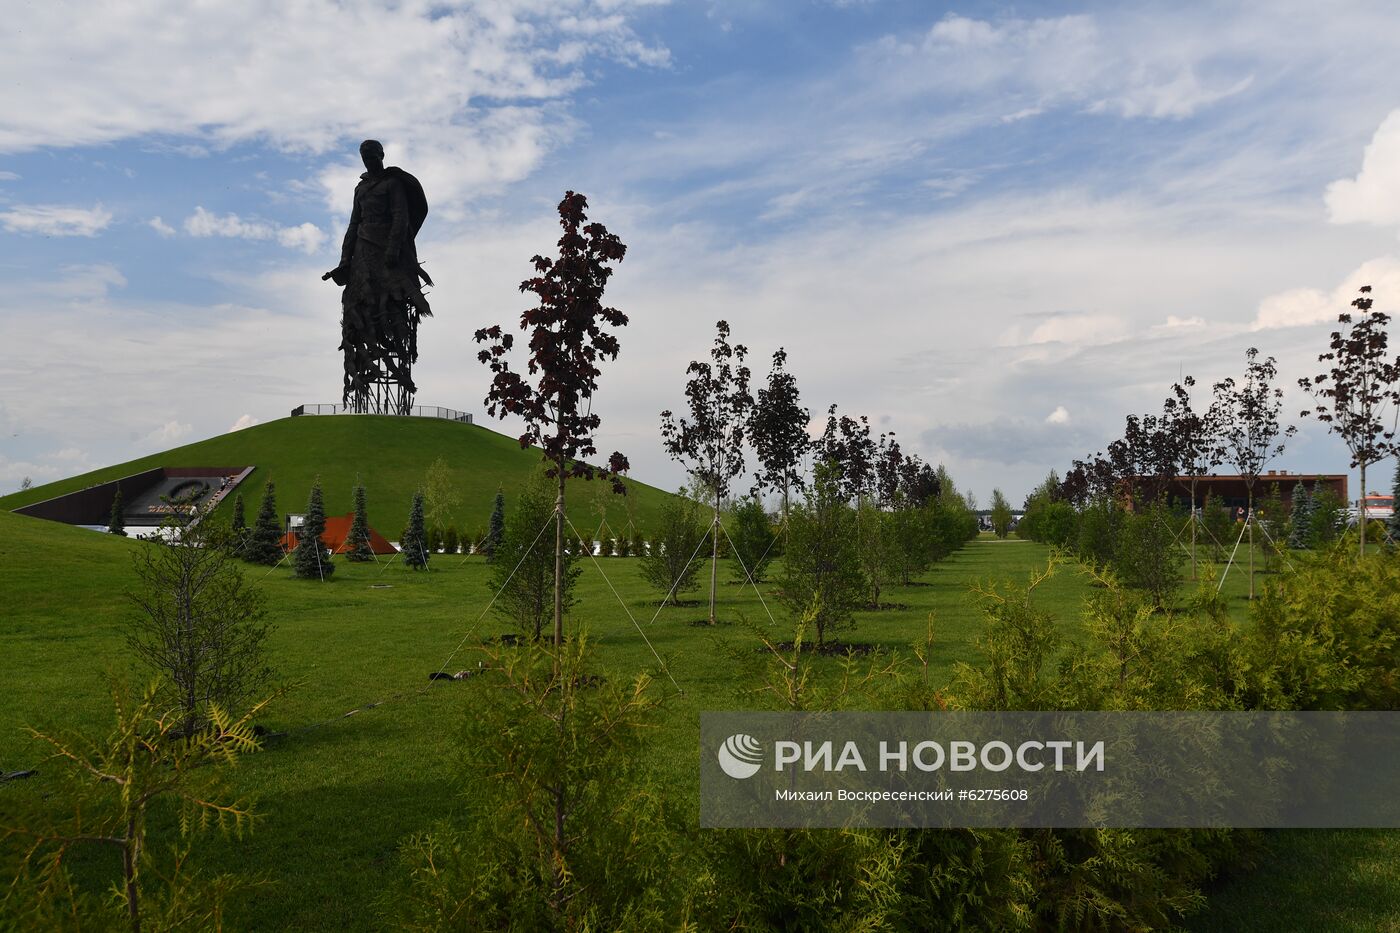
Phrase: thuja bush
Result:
[1323,636]
[102,792]
[1107,879]
[562,827]
[1328,633]
[855,879]
[1146,554]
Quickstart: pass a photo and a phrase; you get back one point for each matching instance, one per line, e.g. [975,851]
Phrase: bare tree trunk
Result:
[559,570]
[714,557]
[559,880]
[1193,528]
[129,857]
[1249,523]
[1361,520]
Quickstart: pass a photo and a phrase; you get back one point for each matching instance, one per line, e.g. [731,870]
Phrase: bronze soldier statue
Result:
[383,298]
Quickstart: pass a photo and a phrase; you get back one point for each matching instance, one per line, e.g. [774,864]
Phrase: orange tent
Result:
[337,530]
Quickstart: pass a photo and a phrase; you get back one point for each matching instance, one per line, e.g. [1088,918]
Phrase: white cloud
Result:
[307,237]
[1123,64]
[13,472]
[1177,323]
[1174,321]
[168,433]
[161,227]
[467,80]
[56,220]
[1299,306]
[244,421]
[1373,196]
[1067,328]
[86,282]
[1058,416]
[202,223]
[9,176]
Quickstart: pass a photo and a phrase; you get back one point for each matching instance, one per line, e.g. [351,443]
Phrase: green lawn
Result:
[337,799]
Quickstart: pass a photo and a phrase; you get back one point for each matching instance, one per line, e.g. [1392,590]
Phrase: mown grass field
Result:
[336,799]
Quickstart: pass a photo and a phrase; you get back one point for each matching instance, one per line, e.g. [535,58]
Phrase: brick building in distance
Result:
[1231,491]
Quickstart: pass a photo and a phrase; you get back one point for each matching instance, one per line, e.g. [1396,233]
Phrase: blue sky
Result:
[995,229]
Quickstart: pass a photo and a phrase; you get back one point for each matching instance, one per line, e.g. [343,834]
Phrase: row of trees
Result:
[1242,426]
[723,416]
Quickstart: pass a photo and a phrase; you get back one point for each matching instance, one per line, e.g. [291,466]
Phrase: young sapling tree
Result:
[1250,429]
[568,337]
[1357,397]
[710,443]
[778,431]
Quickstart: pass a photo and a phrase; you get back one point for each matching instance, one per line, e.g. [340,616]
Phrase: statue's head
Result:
[372,152]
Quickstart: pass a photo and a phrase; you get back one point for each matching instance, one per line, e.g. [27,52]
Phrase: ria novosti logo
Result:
[741,755]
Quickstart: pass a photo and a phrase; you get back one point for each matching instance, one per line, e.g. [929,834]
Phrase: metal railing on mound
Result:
[417,411]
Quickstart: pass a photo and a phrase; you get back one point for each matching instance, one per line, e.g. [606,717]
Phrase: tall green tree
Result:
[357,543]
[710,443]
[822,578]
[1001,514]
[1356,395]
[116,522]
[754,540]
[1325,515]
[567,341]
[1393,523]
[414,545]
[1300,517]
[312,559]
[1146,554]
[265,540]
[495,534]
[911,533]
[522,571]
[876,546]
[669,563]
[239,525]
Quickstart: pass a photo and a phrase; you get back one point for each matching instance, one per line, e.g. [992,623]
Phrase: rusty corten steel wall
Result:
[1232,487]
[93,505]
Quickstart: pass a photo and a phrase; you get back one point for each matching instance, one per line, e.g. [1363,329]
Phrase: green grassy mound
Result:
[390,455]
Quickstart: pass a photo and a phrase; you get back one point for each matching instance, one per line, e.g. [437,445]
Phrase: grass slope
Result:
[337,798]
[389,454]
